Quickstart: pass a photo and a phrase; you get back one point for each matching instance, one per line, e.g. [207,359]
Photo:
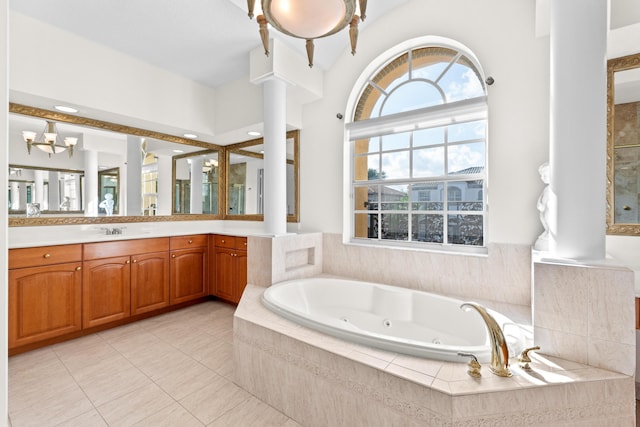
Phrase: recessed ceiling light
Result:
[65,109]
[253,133]
[190,135]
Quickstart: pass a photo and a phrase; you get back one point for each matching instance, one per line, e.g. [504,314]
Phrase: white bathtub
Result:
[391,318]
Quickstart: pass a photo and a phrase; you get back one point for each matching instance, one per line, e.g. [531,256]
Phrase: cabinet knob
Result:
[134,261]
[78,268]
[245,243]
[127,262]
[222,240]
[190,241]
[173,255]
[46,256]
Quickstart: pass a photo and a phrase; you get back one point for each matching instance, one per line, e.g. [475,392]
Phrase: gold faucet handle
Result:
[524,358]
[473,365]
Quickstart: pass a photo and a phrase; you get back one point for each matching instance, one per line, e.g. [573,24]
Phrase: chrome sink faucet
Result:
[499,349]
[114,230]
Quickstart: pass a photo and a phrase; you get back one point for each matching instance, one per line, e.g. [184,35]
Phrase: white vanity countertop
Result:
[24,237]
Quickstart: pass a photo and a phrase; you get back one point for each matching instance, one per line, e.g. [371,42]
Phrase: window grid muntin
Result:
[446,213]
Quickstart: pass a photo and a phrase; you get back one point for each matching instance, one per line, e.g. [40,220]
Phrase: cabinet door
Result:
[240,275]
[188,274]
[225,265]
[44,302]
[106,290]
[149,282]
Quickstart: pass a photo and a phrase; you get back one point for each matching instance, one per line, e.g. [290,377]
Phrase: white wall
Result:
[4,156]
[103,81]
[501,34]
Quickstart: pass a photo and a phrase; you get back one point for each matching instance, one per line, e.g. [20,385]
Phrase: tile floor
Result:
[171,370]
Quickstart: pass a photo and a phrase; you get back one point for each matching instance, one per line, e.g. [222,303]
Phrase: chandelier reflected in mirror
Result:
[309,20]
[47,141]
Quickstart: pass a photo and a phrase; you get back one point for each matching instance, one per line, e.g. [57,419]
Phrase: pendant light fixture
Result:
[309,20]
[47,141]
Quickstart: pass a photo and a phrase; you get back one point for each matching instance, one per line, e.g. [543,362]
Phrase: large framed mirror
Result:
[196,183]
[623,145]
[93,171]
[39,191]
[245,179]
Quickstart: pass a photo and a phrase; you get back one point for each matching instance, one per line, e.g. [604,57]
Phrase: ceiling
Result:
[207,41]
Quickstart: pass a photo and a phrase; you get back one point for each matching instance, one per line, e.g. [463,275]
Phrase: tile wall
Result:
[503,275]
[586,313]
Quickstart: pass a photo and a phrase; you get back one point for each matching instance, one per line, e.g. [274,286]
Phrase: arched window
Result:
[418,143]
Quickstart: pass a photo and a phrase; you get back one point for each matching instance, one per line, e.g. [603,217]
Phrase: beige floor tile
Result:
[173,415]
[215,355]
[130,328]
[186,378]
[213,400]
[175,332]
[194,343]
[251,412]
[34,364]
[88,419]
[169,370]
[135,406]
[59,402]
[47,388]
[105,386]
[85,371]
[134,344]
[158,364]
[86,356]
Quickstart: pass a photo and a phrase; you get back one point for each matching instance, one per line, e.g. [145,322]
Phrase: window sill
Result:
[479,251]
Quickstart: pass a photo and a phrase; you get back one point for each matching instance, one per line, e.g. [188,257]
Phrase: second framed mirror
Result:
[245,179]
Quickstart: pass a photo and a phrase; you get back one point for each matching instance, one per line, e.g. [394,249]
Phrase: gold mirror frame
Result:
[221,177]
[238,148]
[615,65]
[129,130]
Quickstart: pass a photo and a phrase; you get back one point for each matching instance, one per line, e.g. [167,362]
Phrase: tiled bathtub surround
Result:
[279,258]
[302,373]
[585,313]
[503,275]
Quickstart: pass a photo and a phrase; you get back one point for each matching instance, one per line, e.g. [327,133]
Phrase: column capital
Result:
[287,65]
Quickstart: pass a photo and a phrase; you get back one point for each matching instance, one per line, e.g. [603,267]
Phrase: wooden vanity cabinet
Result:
[189,272]
[105,290]
[45,293]
[123,278]
[149,282]
[230,267]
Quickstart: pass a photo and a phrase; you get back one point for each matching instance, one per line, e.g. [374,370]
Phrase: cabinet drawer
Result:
[44,255]
[231,242]
[186,242]
[125,248]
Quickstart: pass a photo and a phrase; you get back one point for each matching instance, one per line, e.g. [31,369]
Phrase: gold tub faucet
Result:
[499,349]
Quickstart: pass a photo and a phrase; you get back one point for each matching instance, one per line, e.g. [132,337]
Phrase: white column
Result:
[165,164]
[15,196]
[39,187]
[91,197]
[578,129]
[133,180]
[275,156]
[78,185]
[54,191]
[196,185]
[22,186]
